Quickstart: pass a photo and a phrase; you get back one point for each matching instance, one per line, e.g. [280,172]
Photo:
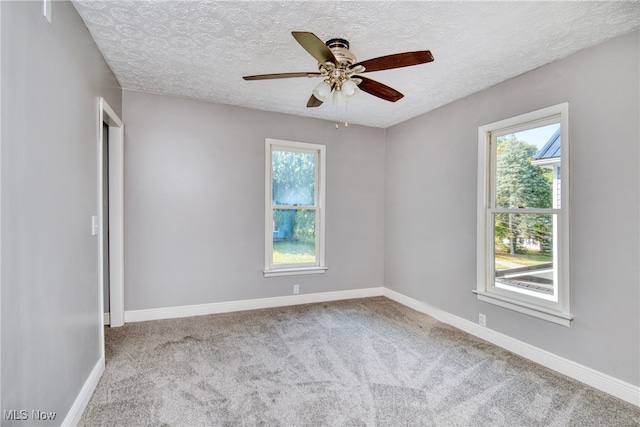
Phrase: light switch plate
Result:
[95,225]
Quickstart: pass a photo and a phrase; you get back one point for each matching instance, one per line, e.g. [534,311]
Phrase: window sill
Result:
[526,308]
[294,271]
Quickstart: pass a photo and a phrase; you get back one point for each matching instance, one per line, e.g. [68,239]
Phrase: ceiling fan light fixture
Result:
[322,90]
[339,98]
[349,87]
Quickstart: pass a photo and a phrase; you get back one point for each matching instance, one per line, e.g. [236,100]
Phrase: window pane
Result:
[524,253]
[295,239]
[293,176]
[527,169]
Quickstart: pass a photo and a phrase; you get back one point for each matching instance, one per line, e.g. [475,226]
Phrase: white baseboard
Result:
[603,382]
[252,304]
[78,407]
[107,318]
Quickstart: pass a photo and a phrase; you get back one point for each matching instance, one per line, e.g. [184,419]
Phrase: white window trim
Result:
[557,312]
[319,266]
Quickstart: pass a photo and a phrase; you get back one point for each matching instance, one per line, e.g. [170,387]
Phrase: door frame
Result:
[116,216]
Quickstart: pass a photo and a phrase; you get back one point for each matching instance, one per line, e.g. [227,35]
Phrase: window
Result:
[523,233]
[294,208]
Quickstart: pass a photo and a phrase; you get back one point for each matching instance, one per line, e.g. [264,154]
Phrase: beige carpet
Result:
[348,363]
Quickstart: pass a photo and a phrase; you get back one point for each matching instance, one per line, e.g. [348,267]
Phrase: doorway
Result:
[110,217]
[104,229]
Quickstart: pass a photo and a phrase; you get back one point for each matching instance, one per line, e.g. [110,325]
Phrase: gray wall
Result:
[430,224]
[194,204]
[194,197]
[52,76]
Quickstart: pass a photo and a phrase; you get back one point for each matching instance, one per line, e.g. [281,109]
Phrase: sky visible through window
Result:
[538,136]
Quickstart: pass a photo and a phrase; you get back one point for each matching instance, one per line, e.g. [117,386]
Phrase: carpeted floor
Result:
[347,363]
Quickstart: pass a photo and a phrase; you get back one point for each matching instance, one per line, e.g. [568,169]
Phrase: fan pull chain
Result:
[346,114]
[346,117]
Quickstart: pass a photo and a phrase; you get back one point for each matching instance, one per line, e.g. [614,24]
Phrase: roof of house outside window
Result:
[551,149]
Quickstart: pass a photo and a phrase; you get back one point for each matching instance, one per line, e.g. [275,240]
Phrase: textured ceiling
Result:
[201,49]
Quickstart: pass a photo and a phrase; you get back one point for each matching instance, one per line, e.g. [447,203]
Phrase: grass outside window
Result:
[530,258]
[289,252]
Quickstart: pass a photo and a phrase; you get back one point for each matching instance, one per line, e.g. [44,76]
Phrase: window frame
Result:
[554,311]
[319,266]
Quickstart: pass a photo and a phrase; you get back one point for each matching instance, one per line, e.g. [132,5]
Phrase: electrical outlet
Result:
[482,320]
[296,289]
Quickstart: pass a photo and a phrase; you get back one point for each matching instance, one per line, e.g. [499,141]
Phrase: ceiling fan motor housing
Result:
[340,49]
[340,71]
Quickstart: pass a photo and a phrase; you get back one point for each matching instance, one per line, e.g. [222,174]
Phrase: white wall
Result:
[52,76]
[194,202]
[430,224]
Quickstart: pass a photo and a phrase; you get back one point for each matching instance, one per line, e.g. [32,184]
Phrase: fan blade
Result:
[378,89]
[316,47]
[314,102]
[280,76]
[397,60]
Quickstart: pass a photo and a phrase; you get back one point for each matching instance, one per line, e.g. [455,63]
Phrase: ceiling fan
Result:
[340,71]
